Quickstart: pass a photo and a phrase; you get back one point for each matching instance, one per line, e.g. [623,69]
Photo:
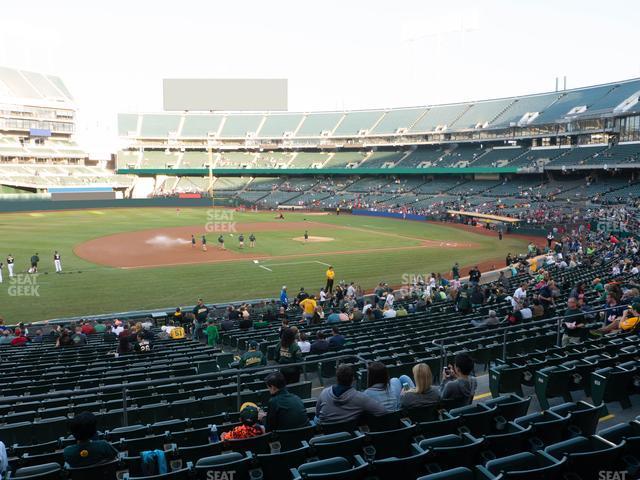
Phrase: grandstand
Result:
[540,412]
[542,405]
[37,146]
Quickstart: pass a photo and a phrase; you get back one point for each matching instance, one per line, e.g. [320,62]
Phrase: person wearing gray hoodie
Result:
[342,402]
[458,386]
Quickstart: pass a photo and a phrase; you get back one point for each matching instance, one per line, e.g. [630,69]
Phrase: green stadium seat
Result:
[522,466]
[478,419]
[30,460]
[583,418]
[411,465]
[133,446]
[614,384]
[276,466]
[548,427]
[554,381]
[192,453]
[422,414]
[335,468]
[176,425]
[392,443]
[16,433]
[449,451]
[291,438]
[47,471]
[101,471]
[259,444]
[509,406]
[509,439]
[459,473]
[446,425]
[181,474]
[205,468]
[330,445]
[586,455]
[328,428]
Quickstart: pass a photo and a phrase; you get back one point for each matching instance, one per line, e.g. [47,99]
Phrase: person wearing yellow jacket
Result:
[331,274]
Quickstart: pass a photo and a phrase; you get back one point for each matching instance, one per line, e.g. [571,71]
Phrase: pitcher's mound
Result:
[314,239]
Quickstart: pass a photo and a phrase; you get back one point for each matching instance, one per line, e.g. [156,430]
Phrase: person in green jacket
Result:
[289,352]
[284,409]
[100,327]
[213,335]
[252,357]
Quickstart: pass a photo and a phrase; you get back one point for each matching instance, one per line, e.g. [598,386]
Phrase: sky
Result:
[337,55]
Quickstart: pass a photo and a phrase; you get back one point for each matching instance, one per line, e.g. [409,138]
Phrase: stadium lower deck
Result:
[542,410]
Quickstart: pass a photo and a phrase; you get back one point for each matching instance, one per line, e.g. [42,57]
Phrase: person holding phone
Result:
[458,385]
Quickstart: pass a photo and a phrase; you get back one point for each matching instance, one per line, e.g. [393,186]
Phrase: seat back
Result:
[336,444]
[102,471]
[46,471]
[259,444]
[292,437]
[460,473]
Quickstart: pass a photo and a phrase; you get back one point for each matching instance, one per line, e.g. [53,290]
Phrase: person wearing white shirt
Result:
[390,299]
[521,293]
[526,313]
[389,312]
[323,295]
[351,291]
[366,308]
[117,328]
[303,343]
[635,270]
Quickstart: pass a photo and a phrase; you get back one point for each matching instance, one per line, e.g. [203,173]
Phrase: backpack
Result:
[177,333]
[153,462]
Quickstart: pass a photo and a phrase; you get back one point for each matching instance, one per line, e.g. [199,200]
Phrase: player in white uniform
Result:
[57,262]
[10,262]
[1,265]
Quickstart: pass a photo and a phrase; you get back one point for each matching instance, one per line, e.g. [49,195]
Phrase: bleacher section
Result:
[541,410]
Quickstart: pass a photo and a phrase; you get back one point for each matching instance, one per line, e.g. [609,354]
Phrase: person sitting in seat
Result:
[380,387]
[86,451]
[337,340]
[423,394]
[342,402]
[458,386]
[320,345]
[142,345]
[250,426]
[252,357]
[285,410]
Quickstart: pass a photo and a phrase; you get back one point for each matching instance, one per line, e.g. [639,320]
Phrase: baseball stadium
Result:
[233,289]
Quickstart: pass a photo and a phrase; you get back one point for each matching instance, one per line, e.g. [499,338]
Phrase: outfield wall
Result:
[21,205]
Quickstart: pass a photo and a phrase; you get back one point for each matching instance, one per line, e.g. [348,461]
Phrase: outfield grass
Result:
[100,289]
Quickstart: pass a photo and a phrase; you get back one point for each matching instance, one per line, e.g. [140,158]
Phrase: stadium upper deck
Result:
[588,107]
[507,135]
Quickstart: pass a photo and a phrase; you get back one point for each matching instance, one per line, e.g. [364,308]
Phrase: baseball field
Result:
[116,260]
